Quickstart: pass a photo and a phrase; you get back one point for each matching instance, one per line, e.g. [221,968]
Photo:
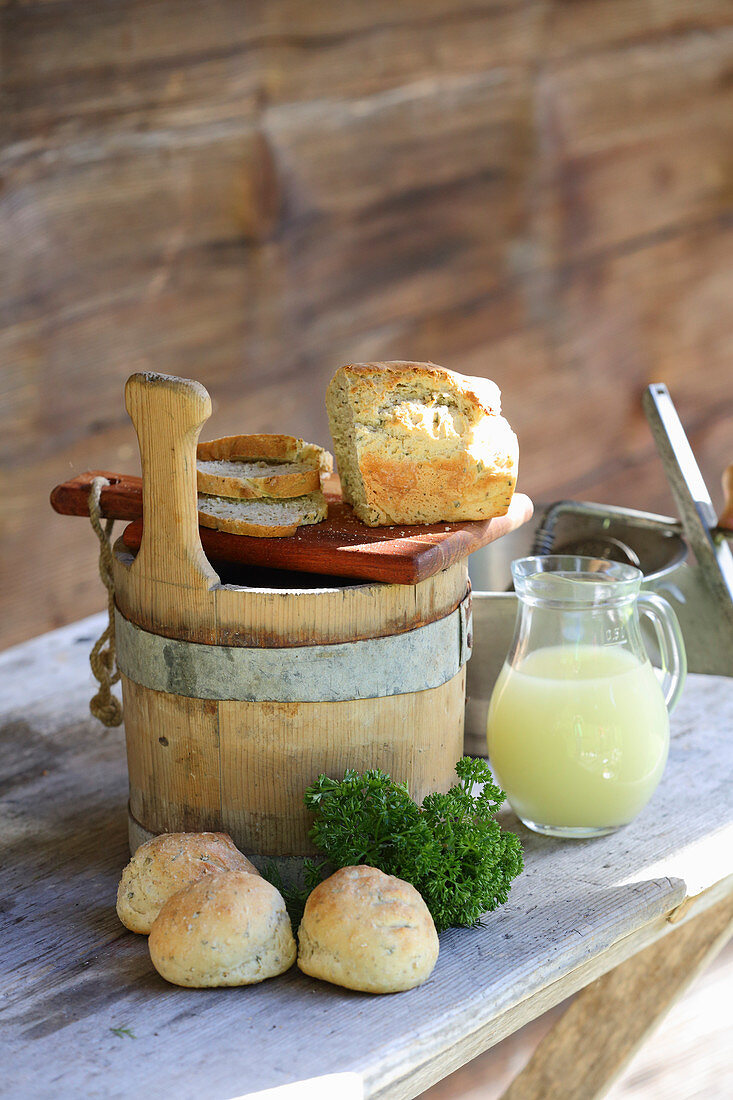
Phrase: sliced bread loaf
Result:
[260,466]
[263,517]
[416,443]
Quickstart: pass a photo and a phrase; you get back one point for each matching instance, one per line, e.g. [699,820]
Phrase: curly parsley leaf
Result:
[451,849]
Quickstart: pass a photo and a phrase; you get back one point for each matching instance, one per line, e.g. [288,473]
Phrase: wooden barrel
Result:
[237,697]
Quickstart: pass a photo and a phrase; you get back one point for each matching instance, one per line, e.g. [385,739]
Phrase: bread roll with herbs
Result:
[229,929]
[168,863]
[365,930]
[416,443]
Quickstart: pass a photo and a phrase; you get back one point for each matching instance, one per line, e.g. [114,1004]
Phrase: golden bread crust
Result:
[266,448]
[303,464]
[279,485]
[168,863]
[236,526]
[250,517]
[365,930]
[389,376]
[230,929]
[417,443]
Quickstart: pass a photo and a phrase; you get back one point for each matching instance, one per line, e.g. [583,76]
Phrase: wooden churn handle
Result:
[168,414]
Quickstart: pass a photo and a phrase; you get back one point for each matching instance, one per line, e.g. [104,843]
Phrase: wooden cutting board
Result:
[341,546]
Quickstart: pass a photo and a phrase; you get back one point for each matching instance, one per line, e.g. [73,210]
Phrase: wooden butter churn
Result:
[236,697]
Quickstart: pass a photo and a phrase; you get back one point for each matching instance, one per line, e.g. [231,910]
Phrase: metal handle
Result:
[693,500]
[671,645]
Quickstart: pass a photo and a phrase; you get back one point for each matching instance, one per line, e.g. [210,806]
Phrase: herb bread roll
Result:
[416,443]
[366,930]
[166,864]
[230,929]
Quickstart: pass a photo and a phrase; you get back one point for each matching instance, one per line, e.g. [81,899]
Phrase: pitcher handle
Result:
[671,644]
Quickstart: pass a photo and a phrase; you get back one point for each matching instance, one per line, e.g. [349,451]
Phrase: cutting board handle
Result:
[168,414]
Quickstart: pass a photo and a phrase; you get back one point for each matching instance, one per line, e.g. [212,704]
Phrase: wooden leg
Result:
[608,1021]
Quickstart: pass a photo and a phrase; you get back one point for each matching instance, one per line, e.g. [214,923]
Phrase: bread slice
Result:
[261,518]
[416,443]
[252,467]
[256,480]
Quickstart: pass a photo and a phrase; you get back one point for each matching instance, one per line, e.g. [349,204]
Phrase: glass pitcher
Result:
[578,726]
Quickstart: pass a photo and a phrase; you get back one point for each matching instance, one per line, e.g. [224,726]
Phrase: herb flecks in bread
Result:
[365,930]
[230,929]
[168,863]
[263,517]
[416,443]
[260,466]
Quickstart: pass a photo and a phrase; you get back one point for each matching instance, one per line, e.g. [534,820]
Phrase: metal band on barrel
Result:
[396,665]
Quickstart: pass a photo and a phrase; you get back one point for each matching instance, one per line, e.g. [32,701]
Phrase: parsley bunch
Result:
[450,848]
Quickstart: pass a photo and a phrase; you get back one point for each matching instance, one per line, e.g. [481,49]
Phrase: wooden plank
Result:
[650,100]
[150,233]
[613,318]
[169,325]
[608,1022]
[632,150]
[121,288]
[426,42]
[173,760]
[253,199]
[308,276]
[461,1049]
[573,913]
[688,1055]
[175,67]
[482,124]
[583,27]
[271,751]
[338,546]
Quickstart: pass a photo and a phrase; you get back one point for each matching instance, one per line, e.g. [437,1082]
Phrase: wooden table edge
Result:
[455,1053]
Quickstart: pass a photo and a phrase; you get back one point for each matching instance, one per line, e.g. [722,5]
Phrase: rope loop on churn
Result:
[105,706]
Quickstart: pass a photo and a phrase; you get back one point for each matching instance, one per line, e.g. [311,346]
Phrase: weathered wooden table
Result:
[83,1013]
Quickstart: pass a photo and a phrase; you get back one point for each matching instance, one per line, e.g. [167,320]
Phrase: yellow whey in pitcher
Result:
[578,736]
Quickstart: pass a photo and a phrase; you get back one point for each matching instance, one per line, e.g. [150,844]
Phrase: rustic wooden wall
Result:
[251,194]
